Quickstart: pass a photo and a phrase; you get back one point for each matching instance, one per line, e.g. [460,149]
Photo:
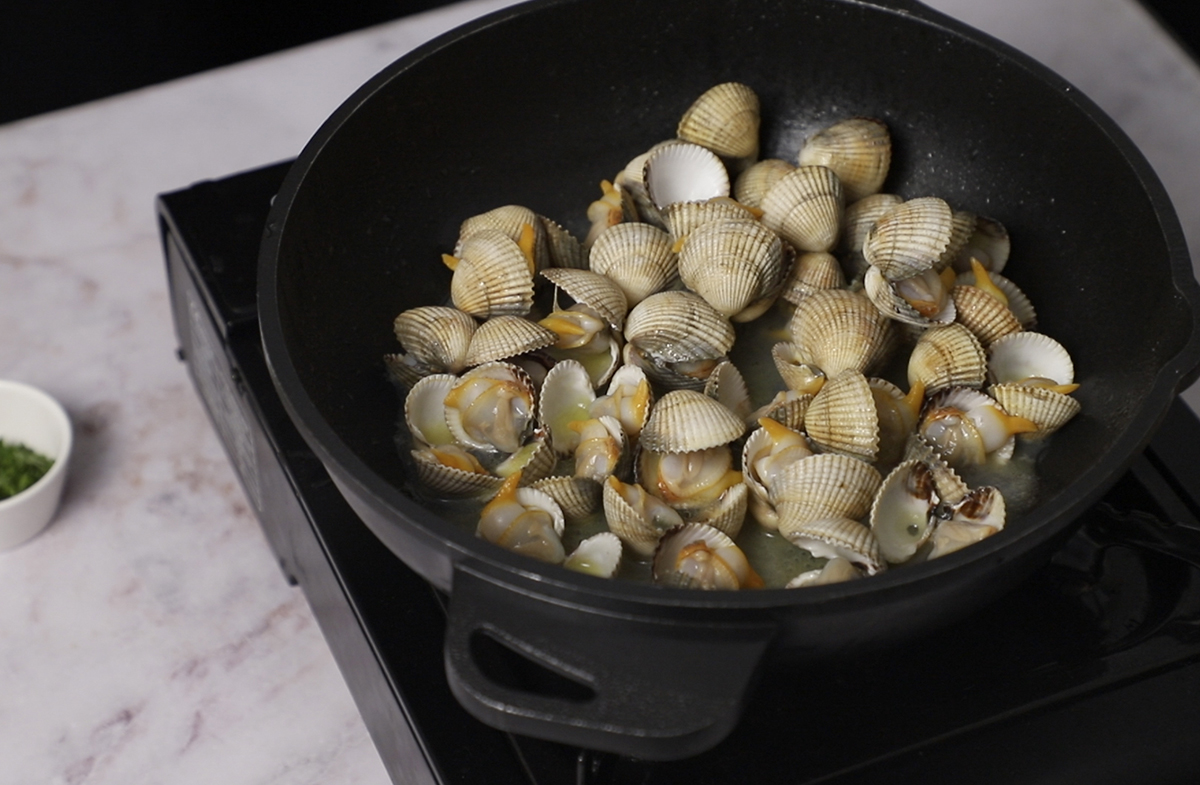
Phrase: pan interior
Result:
[540,108]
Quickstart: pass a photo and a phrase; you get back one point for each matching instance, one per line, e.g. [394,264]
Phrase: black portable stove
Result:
[1087,673]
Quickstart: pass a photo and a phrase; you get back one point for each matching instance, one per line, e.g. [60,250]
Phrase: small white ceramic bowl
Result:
[31,417]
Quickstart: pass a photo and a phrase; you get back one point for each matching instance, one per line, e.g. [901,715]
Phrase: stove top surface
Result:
[1088,672]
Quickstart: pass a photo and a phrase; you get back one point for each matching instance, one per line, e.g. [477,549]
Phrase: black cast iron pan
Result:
[535,105]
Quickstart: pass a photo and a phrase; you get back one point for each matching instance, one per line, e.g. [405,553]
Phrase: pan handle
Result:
[646,688]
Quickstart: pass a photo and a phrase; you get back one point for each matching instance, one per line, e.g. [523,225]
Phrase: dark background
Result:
[56,53]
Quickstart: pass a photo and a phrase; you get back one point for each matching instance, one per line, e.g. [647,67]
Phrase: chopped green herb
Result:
[20,467]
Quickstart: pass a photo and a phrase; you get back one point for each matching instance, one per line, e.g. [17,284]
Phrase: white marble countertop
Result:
[147,635]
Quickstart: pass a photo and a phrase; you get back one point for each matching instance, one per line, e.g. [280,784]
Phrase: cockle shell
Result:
[594,290]
[727,386]
[637,517]
[1018,302]
[682,218]
[425,409]
[731,263]
[842,417]
[835,570]
[687,421]
[788,407]
[684,173]
[984,315]
[510,219]
[821,486]
[725,119]
[727,513]
[492,277]
[805,208]
[910,238]
[901,515]
[988,244]
[947,484]
[981,514]
[566,397]
[837,329]
[629,399]
[535,460]
[1046,408]
[858,150]
[452,481]
[767,451]
[598,555]
[857,221]
[1026,355]
[754,181]
[524,520]
[678,326]
[437,334]
[492,408]
[947,356]
[502,337]
[794,368]
[811,272]
[887,297]
[835,537]
[699,556]
[601,451]
[564,248]
[578,497]
[898,414]
[637,257]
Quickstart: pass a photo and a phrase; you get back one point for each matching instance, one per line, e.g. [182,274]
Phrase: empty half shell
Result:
[566,397]
[684,173]
[1029,355]
[598,555]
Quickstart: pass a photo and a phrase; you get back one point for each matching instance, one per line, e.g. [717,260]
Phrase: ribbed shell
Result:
[805,208]
[596,291]
[1048,409]
[839,329]
[502,337]
[501,372]
[901,512]
[686,421]
[947,356]
[842,417]
[1018,302]
[535,461]
[727,386]
[796,371]
[858,150]
[728,567]
[678,326]
[950,487]
[640,534]
[425,409]
[731,262]
[725,119]
[811,272]
[451,482]
[833,537]
[684,173]
[824,485]
[578,497]
[437,334]
[566,396]
[564,248]
[682,218]
[962,225]
[988,243]
[598,555]
[510,219]
[637,257]
[857,221]
[1027,354]
[728,512]
[910,238]
[492,277]
[984,315]
[753,183]
[883,295]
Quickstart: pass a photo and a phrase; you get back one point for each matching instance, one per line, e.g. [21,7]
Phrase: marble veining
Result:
[147,636]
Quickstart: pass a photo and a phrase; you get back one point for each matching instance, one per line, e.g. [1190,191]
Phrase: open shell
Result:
[502,337]
[492,408]
[635,516]
[699,556]
[910,238]
[753,183]
[594,290]
[947,356]
[684,172]
[842,418]
[437,334]
[901,515]
[451,481]
[1027,355]
[598,555]
[835,537]
[578,497]
[1046,408]
[678,326]
[984,315]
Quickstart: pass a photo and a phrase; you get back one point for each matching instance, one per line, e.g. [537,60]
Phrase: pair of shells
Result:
[678,326]
[906,521]
[1032,376]
[736,265]
[699,556]
[867,419]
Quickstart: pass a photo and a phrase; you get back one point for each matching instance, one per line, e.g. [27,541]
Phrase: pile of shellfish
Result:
[707,370]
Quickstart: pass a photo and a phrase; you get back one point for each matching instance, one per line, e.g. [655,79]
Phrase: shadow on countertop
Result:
[57,53]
